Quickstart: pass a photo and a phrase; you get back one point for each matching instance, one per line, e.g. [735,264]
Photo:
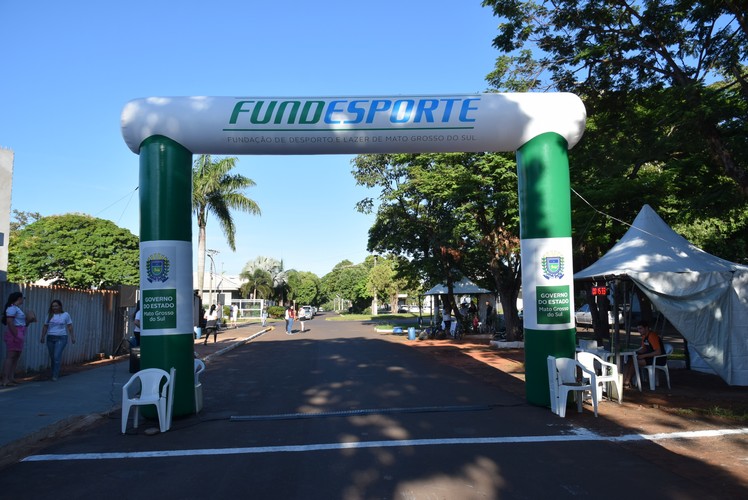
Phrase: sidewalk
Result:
[39,410]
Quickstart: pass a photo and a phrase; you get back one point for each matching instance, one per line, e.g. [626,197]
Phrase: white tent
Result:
[703,296]
[462,287]
[465,287]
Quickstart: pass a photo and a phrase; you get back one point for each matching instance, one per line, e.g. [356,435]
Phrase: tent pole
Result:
[630,297]
[614,341]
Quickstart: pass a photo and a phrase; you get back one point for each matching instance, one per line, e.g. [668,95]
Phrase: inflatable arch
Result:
[166,131]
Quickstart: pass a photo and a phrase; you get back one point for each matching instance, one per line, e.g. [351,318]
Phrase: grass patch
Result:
[739,415]
[381,318]
[381,321]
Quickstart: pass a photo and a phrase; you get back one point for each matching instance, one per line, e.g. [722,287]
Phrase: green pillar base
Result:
[539,344]
[178,351]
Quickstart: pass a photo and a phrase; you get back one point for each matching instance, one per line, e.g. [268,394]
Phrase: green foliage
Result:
[217,191]
[303,287]
[258,283]
[273,268]
[665,85]
[383,280]
[277,312]
[347,281]
[77,250]
[447,215]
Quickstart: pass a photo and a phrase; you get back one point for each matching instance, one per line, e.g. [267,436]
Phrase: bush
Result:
[277,312]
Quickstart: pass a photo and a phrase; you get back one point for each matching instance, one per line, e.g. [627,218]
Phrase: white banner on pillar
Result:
[547,283]
[165,287]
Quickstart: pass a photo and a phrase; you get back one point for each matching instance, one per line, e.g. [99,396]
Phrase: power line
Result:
[128,195]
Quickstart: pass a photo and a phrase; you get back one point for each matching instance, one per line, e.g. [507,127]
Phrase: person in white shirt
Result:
[56,330]
[234,313]
[211,326]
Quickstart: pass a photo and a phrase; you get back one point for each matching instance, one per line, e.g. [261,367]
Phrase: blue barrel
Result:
[411,333]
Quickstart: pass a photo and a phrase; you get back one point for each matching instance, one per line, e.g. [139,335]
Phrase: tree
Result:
[258,283]
[216,191]
[303,287]
[23,219]
[448,215]
[278,276]
[348,282]
[76,250]
[409,223]
[383,281]
[610,49]
[666,90]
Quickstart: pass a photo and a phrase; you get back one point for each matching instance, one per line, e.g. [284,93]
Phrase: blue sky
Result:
[69,68]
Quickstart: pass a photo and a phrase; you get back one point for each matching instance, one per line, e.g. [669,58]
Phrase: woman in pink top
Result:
[15,323]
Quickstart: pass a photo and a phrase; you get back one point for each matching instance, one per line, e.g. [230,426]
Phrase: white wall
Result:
[6,188]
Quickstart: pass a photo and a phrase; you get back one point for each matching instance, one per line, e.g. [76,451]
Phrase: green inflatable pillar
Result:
[547,277]
[166,339]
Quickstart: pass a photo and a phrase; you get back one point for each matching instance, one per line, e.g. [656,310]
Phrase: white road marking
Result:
[582,435]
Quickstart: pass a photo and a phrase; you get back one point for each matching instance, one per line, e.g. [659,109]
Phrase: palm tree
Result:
[258,282]
[215,190]
[274,267]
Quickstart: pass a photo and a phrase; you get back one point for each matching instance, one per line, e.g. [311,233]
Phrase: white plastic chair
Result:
[199,369]
[605,372]
[567,381]
[144,388]
[652,369]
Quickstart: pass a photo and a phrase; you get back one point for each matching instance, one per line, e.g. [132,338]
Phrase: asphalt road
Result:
[341,412]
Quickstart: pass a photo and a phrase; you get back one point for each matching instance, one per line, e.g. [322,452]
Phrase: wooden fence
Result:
[100,323]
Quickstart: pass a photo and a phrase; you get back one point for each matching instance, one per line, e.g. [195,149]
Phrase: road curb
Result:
[14,451]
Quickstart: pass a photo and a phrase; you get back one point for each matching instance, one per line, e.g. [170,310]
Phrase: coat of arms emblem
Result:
[553,266]
[157,268]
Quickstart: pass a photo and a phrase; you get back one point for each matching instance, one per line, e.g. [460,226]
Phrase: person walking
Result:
[56,330]
[290,316]
[264,316]
[211,325]
[15,322]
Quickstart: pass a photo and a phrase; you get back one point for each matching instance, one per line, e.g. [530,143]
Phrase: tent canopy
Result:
[462,287]
[703,296]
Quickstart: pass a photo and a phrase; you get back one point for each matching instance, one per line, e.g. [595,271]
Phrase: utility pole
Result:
[210,254]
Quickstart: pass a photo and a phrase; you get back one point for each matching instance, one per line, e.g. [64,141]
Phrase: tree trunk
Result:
[508,298]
